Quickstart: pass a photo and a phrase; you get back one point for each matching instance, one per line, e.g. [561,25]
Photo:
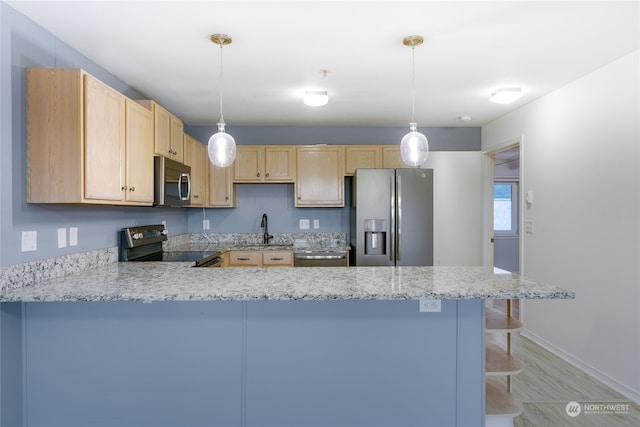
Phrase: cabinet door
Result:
[320,176]
[176,138]
[104,144]
[279,163]
[248,164]
[362,156]
[162,130]
[220,192]
[391,157]
[55,136]
[195,155]
[139,154]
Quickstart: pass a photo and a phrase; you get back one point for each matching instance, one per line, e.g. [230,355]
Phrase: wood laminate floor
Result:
[547,384]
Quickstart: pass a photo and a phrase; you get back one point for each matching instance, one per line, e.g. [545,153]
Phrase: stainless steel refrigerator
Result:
[392,217]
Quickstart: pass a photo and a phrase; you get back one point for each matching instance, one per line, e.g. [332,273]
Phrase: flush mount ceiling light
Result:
[506,95]
[316,98]
[414,147]
[222,146]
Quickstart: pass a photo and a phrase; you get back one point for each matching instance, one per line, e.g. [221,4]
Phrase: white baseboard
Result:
[631,394]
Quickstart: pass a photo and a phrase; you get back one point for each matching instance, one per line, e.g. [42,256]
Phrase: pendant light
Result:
[414,147]
[222,146]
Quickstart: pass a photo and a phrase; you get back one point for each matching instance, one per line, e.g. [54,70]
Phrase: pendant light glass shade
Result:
[414,147]
[221,147]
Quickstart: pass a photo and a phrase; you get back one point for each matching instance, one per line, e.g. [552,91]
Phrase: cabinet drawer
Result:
[277,258]
[245,259]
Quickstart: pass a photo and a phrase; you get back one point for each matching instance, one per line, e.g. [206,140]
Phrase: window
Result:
[505,207]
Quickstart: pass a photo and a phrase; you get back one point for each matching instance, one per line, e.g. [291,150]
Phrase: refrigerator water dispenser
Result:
[375,236]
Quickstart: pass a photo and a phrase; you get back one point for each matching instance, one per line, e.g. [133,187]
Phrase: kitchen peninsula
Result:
[164,344]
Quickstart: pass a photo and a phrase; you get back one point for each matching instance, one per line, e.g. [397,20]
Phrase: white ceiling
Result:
[471,48]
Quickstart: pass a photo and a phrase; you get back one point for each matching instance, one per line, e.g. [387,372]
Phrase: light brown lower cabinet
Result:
[260,259]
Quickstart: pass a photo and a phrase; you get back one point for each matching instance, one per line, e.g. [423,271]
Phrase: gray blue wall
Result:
[277,200]
[25,44]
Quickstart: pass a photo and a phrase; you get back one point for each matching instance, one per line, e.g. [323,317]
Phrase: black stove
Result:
[144,243]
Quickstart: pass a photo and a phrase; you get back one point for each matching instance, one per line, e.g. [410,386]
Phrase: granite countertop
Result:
[176,281]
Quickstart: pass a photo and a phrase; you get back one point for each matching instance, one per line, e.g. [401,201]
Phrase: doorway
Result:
[505,215]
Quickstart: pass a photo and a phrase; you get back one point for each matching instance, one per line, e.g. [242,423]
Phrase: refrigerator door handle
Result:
[399,222]
[392,203]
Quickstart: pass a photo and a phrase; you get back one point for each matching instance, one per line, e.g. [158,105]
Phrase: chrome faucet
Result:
[265,235]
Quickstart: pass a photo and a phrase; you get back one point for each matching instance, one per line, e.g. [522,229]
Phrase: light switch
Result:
[29,241]
[304,224]
[73,236]
[528,227]
[62,238]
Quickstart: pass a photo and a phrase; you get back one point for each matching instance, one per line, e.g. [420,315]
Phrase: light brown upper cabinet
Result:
[220,190]
[362,157]
[319,176]
[195,156]
[391,157]
[168,130]
[80,133]
[139,154]
[264,163]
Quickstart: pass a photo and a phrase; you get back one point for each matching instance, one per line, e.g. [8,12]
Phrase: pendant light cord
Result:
[413,85]
[221,116]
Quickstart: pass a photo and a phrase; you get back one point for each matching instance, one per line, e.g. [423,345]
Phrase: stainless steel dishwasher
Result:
[321,258]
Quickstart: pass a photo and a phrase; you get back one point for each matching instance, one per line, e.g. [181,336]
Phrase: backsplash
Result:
[19,275]
[295,239]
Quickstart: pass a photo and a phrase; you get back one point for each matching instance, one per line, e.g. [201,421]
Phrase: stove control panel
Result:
[143,235]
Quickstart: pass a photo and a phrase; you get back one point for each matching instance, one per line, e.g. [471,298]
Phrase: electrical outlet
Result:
[205,224]
[73,236]
[62,238]
[304,224]
[430,306]
[316,223]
